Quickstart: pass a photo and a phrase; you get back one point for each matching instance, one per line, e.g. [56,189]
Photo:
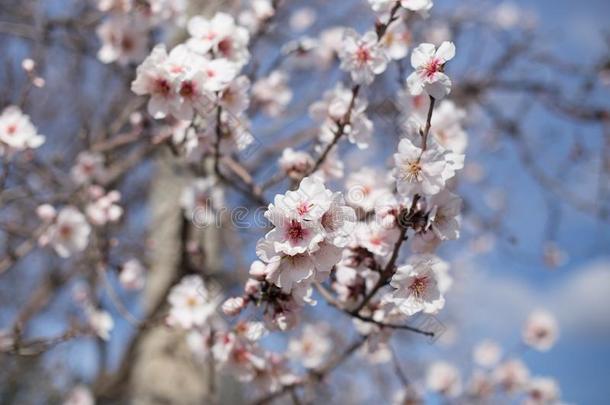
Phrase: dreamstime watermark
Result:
[241,217]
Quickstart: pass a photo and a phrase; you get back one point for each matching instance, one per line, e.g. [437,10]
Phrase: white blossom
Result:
[512,375]
[220,36]
[132,275]
[426,171]
[540,330]
[313,347]
[69,233]
[273,93]
[104,208]
[124,40]
[444,378]
[487,353]
[542,391]
[89,168]
[191,303]
[362,56]
[429,64]
[418,285]
[17,131]
[101,322]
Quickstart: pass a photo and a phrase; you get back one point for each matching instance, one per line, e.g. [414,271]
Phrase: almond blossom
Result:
[191,303]
[511,375]
[444,215]
[487,353]
[220,36]
[420,171]
[272,93]
[296,164]
[89,168]
[239,355]
[362,56]
[396,40]
[429,64]
[364,189]
[101,322]
[444,378]
[201,200]
[124,40]
[312,347]
[540,330]
[17,131]
[333,108]
[69,233]
[104,208]
[132,275]
[154,79]
[419,285]
[542,391]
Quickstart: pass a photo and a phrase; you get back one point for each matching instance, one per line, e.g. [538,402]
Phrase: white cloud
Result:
[497,305]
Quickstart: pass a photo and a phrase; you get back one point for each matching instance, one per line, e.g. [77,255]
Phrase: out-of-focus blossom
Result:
[69,233]
[511,376]
[124,40]
[487,353]
[540,330]
[191,303]
[17,131]
[426,172]
[313,347]
[397,40]
[133,275]
[542,391]
[89,168]
[104,208]
[296,164]
[273,93]
[200,201]
[220,36]
[444,378]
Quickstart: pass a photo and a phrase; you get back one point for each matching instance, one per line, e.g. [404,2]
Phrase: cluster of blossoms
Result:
[125,31]
[311,226]
[319,238]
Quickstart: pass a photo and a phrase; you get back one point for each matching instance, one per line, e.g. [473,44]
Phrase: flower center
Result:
[191,302]
[432,68]
[418,286]
[162,86]
[295,231]
[65,231]
[11,129]
[412,171]
[187,89]
[225,46]
[303,208]
[363,55]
